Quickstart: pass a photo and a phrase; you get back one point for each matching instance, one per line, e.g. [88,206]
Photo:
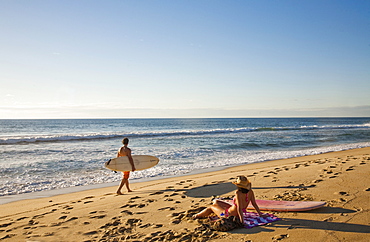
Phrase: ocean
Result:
[46,155]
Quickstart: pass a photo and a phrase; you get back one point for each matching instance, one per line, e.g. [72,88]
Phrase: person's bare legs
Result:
[123,181]
[128,186]
[217,207]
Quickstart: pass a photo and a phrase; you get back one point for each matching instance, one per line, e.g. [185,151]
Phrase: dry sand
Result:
[160,210]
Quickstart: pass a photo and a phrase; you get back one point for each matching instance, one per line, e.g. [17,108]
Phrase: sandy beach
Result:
[161,210]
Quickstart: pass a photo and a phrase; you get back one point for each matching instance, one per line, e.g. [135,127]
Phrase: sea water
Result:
[45,155]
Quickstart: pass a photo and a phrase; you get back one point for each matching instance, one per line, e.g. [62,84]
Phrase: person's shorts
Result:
[126,174]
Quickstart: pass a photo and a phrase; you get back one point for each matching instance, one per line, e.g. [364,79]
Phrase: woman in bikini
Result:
[243,195]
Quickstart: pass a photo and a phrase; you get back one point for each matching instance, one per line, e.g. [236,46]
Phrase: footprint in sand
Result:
[166,208]
[102,214]
[343,193]
[32,222]
[98,216]
[145,226]
[5,225]
[293,226]
[55,224]
[176,221]
[280,237]
[38,216]
[328,219]
[175,214]
[156,193]
[133,221]
[141,212]
[174,194]
[71,219]
[47,234]
[21,218]
[141,205]
[90,232]
[8,236]
[111,193]
[127,212]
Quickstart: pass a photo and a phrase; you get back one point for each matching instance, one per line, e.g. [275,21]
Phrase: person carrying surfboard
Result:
[125,151]
[243,195]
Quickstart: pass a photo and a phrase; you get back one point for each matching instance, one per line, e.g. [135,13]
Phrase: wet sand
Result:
[161,210]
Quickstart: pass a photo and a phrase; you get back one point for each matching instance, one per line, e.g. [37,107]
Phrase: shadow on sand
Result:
[222,188]
[292,223]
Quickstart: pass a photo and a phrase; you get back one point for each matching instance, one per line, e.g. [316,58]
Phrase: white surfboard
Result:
[141,162]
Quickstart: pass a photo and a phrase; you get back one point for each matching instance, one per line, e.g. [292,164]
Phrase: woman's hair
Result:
[243,190]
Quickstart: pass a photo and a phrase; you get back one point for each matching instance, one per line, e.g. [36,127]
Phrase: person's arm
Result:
[131,160]
[253,201]
[119,153]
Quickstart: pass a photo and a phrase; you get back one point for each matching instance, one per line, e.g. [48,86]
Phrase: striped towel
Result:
[252,219]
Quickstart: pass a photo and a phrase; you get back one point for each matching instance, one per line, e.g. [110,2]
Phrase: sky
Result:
[184,59]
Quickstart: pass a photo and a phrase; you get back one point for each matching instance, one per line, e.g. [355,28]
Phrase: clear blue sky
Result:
[150,59]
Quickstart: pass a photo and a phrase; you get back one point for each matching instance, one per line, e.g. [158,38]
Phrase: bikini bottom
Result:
[226,214]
